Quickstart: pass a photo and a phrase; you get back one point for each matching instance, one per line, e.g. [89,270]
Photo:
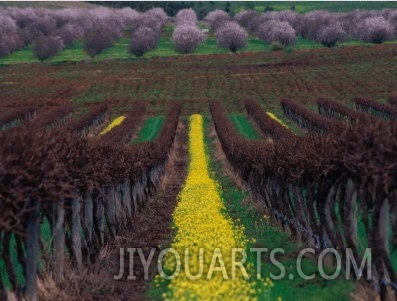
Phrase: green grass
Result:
[4,277]
[164,48]
[268,236]
[244,127]
[150,129]
[337,6]
[46,238]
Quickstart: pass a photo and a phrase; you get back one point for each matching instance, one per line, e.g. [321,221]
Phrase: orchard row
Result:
[50,31]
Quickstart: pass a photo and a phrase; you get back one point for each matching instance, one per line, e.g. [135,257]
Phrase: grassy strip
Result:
[150,129]
[336,6]
[4,277]
[262,234]
[244,127]
[46,239]
[165,48]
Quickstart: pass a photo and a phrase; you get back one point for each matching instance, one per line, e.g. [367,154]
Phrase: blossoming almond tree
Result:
[375,30]
[186,17]
[331,35]
[143,40]
[277,31]
[186,38]
[231,36]
[217,19]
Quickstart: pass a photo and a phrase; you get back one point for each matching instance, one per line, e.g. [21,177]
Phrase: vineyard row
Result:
[87,189]
[321,187]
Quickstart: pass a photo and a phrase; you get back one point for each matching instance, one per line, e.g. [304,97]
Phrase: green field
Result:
[245,128]
[336,6]
[164,48]
[150,129]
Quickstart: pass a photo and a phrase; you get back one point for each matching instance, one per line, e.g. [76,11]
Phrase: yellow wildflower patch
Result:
[274,117]
[116,122]
[208,242]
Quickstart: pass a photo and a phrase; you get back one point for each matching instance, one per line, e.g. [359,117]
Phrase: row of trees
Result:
[327,28]
[50,31]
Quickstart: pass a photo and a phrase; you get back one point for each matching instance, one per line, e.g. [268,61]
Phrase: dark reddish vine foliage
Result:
[123,132]
[392,99]
[333,109]
[17,116]
[128,161]
[32,166]
[88,162]
[92,118]
[268,126]
[376,108]
[60,166]
[51,117]
[308,120]
[324,176]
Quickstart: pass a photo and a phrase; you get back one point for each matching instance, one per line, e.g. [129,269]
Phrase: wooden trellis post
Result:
[127,198]
[32,247]
[89,221]
[76,228]
[59,239]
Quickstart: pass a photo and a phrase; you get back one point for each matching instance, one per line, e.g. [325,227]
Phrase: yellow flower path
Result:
[116,122]
[274,117]
[201,222]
